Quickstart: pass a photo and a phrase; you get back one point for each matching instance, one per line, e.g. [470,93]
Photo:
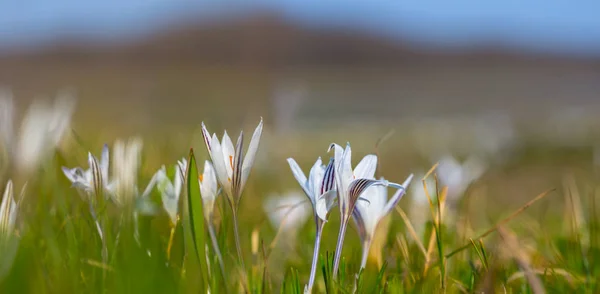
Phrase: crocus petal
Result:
[104,161]
[182,164]
[355,190]
[251,153]
[299,175]
[208,187]
[97,180]
[325,203]
[236,179]
[73,174]
[219,165]
[178,180]
[315,178]
[366,167]
[397,196]
[207,138]
[228,154]
[328,182]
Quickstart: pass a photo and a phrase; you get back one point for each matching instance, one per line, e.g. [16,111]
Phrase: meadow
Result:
[522,219]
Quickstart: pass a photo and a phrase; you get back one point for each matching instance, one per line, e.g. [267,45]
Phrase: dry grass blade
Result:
[99,264]
[437,221]
[573,207]
[411,229]
[502,222]
[570,278]
[522,260]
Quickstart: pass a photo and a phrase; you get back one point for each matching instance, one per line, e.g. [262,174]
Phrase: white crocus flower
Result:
[94,180]
[287,213]
[126,163]
[457,177]
[350,185]
[41,130]
[170,191]
[319,187]
[367,215]
[9,241]
[232,169]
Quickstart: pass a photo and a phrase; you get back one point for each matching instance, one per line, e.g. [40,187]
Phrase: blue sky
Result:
[551,26]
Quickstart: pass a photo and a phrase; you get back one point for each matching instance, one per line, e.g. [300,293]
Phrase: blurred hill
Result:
[189,65]
[268,40]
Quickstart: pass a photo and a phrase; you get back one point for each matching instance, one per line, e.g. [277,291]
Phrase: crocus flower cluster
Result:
[355,191]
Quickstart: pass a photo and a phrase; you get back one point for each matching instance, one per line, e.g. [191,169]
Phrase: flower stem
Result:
[213,237]
[237,238]
[365,251]
[338,247]
[315,260]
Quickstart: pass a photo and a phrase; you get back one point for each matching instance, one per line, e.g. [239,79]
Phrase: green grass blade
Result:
[196,216]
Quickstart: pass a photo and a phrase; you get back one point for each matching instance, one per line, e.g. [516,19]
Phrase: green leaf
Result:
[196,216]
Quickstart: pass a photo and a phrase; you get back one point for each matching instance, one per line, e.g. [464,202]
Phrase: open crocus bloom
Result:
[231,168]
[319,187]
[93,181]
[350,185]
[42,128]
[170,191]
[367,215]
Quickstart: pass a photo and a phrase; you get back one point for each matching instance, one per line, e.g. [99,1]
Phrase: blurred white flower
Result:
[170,191]
[287,213]
[288,96]
[126,163]
[419,212]
[231,168]
[42,129]
[9,241]
[94,180]
[368,214]
[457,177]
[320,190]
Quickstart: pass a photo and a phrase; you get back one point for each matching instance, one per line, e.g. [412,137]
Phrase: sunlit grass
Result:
[554,246]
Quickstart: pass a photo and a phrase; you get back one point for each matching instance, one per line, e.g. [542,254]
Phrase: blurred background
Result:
[509,81]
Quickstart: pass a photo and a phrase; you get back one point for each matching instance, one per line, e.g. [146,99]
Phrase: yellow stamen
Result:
[200,178]
[231,161]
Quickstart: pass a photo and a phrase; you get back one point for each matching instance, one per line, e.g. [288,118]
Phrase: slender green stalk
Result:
[213,237]
[315,260]
[338,247]
[236,236]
